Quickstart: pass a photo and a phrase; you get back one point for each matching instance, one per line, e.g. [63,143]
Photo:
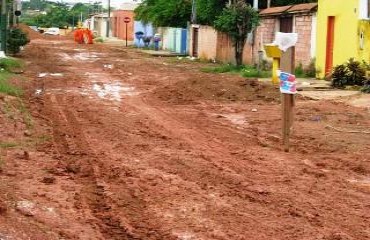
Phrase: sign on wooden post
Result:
[288,90]
[283,53]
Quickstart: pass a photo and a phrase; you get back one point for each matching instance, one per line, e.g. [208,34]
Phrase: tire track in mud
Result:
[79,160]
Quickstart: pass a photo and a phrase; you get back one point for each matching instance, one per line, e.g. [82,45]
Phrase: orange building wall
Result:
[119,26]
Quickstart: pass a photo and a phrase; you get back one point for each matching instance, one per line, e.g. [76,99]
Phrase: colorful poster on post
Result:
[288,84]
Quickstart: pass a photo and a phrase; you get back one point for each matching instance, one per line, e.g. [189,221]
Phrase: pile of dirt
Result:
[218,89]
[32,34]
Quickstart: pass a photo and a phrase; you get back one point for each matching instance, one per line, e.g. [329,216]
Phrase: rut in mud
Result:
[146,148]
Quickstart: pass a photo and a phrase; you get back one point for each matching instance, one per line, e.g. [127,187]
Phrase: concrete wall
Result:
[347,31]
[172,39]
[99,26]
[147,29]
[119,26]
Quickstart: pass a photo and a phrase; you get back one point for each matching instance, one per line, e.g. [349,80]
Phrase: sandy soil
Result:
[126,146]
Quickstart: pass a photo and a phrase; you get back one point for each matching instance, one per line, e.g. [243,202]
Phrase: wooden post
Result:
[287,64]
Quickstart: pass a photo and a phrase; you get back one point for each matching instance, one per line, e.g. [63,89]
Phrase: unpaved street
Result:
[152,148]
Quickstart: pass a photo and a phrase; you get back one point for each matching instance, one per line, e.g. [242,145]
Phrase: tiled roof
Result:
[274,10]
[305,7]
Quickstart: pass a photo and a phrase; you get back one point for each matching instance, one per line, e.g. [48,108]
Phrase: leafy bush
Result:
[351,73]
[299,72]
[16,39]
[311,71]
[366,87]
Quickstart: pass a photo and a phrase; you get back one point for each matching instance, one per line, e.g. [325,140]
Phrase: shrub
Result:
[16,39]
[351,73]
[311,71]
[356,73]
[366,87]
[298,71]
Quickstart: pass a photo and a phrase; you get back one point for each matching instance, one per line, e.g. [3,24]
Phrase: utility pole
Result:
[194,12]
[108,20]
[268,3]
[255,4]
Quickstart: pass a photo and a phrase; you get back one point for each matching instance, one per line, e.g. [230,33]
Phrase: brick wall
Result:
[214,45]
[303,26]
[265,34]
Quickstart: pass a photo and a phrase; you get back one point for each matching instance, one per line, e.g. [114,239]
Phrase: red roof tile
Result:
[305,7]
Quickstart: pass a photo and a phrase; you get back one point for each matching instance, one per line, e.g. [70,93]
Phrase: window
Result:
[364,8]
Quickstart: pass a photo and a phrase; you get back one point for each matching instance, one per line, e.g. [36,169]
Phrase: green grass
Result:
[245,71]
[9,64]
[228,68]
[251,72]
[6,87]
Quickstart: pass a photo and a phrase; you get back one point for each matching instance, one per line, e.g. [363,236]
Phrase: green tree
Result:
[237,20]
[208,10]
[164,13]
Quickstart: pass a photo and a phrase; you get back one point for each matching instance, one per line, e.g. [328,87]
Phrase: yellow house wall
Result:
[347,29]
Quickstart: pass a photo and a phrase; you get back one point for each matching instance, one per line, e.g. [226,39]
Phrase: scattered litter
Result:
[316,118]
[179,58]
[109,66]
[42,75]
[254,110]
[165,64]
[345,130]
[193,58]
[130,74]
[26,208]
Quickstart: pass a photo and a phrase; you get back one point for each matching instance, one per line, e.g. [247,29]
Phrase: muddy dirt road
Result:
[151,148]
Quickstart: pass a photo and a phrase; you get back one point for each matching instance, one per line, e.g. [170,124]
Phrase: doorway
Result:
[286,24]
[195,41]
[329,45]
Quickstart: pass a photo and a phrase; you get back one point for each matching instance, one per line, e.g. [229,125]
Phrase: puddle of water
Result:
[65,56]
[56,74]
[41,75]
[85,56]
[113,91]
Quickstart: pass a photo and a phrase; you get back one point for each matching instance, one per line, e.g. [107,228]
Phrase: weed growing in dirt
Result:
[27,118]
[6,87]
[2,163]
[6,145]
